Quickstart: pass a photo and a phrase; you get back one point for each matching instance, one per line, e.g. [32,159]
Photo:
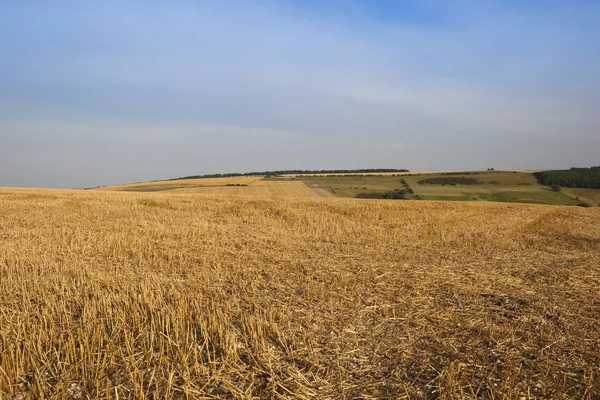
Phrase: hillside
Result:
[235,185]
[501,186]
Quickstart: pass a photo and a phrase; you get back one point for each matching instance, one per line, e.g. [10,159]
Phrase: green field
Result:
[505,186]
[350,186]
[508,186]
[589,196]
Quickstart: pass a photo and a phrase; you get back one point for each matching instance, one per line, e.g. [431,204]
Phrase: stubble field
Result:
[257,188]
[158,186]
[173,295]
[239,185]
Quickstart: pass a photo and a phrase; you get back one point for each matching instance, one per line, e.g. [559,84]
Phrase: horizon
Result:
[367,171]
[102,94]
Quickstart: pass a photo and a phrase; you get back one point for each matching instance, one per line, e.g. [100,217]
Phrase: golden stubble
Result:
[170,295]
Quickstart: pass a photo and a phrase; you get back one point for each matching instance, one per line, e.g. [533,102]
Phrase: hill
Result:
[233,185]
[503,186]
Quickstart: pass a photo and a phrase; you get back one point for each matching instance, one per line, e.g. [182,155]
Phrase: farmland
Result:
[118,294]
[590,196]
[243,185]
[504,186]
[258,188]
[497,185]
[158,186]
[349,185]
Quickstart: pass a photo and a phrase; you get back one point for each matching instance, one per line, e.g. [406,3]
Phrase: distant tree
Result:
[555,187]
[574,177]
[396,194]
[297,172]
[450,181]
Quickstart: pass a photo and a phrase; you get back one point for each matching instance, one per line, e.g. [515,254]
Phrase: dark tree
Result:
[574,177]
[450,181]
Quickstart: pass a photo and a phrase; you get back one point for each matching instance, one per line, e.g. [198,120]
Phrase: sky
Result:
[99,93]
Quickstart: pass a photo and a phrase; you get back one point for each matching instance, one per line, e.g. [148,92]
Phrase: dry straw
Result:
[164,295]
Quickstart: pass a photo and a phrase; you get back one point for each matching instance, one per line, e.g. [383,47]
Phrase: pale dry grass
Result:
[163,185]
[259,188]
[163,295]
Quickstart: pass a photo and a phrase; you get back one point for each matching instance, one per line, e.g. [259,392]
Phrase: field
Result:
[590,196]
[158,186]
[172,295]
[258,188]
[504,186]
[498,185]
[350,185]
[244,185]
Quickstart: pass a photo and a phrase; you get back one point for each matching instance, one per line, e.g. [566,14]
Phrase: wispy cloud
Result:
[217,87]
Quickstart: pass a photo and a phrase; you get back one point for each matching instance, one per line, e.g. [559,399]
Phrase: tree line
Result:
[574,177]
[396,194]
[296,172]
[450,181]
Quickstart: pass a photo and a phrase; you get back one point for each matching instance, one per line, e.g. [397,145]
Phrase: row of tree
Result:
[396,194]
[574,177]
[296,172]
[450,181]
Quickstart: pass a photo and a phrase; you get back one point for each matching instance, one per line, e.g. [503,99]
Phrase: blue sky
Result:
[97,93]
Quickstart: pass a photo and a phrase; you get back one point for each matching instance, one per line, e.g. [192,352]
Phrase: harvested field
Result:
[251,186]
[259,188]
[109,295]
[183,183]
